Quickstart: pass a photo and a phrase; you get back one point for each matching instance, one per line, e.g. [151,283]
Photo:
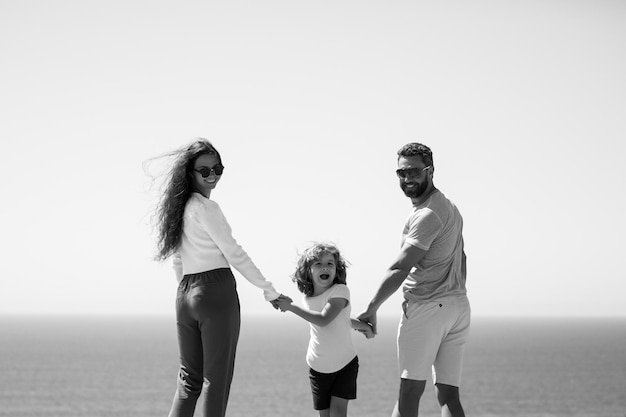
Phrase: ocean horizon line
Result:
[274,316]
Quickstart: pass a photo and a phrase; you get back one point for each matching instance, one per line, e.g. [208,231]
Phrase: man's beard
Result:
[414,192]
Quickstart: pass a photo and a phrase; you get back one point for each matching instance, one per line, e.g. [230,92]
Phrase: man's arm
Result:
[396,274]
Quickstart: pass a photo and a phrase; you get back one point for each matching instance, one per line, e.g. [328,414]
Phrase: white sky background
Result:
[522,102]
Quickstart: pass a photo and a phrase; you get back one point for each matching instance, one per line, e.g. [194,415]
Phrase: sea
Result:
[127,366]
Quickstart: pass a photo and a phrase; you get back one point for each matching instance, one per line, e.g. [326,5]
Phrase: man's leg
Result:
[449,400]
[449,362]
[418,342]
[409,398]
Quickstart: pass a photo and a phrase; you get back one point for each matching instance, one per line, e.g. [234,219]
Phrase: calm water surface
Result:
[126,366]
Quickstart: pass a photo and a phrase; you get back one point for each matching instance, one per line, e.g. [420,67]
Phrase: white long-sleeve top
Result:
[207,243]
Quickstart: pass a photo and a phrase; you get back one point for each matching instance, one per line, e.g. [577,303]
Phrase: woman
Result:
[193,230]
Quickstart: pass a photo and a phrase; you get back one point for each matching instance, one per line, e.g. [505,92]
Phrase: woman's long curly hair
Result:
[302,276]
[178,189]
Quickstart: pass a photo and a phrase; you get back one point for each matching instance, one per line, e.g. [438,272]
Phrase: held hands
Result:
[282,303]
[367,331]
[275,302]
[369,318]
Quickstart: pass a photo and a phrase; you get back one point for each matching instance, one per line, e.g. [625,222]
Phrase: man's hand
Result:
[369,318]
[368,332]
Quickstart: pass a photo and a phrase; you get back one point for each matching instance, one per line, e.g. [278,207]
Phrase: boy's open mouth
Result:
[324,277]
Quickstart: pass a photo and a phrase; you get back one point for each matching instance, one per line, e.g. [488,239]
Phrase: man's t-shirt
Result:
[435,226]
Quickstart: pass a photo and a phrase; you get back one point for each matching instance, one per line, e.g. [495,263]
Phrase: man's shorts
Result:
[432,335]
[340,384]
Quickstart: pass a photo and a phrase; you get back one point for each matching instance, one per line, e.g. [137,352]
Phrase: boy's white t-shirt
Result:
[330,347]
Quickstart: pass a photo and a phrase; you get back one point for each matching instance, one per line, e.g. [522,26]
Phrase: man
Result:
[431,264]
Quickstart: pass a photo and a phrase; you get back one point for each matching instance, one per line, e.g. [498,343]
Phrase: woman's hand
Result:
[282,303]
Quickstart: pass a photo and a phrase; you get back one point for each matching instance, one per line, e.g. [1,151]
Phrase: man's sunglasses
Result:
[411,172]
[205,172]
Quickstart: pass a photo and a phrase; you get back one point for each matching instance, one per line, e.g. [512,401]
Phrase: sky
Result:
[522,103]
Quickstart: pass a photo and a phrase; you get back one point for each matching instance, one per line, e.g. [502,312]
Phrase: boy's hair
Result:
[302,276]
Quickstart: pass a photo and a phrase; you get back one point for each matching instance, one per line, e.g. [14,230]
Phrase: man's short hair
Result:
[417,149]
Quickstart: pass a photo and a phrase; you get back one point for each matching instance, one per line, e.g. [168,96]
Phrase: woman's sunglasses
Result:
[205,172]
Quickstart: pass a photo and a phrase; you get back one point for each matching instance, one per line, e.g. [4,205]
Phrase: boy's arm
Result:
[328,314]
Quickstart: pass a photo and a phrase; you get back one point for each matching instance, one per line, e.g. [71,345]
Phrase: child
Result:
[321,277]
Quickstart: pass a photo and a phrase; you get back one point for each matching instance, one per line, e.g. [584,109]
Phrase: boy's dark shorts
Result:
[340,384]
